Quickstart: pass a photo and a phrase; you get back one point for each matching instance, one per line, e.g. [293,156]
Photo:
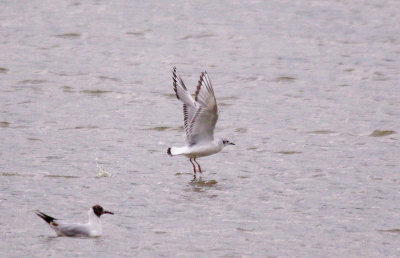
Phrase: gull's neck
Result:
[94,223]
[219,143]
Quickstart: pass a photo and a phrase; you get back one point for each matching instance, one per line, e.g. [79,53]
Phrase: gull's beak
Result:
[108,212]
[231,143]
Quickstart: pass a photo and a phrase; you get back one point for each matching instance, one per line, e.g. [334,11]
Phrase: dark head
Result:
[98,210]
[225,142]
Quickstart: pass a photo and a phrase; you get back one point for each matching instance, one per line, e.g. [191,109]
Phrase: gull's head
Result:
[98,210]
[226,142]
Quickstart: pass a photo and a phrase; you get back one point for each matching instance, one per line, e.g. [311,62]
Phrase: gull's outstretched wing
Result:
[201,126]
[189,105]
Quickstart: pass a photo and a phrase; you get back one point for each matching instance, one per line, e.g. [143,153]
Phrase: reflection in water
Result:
[201,185]
[96,92]
[201,182]
[61,176]
[71,35]
[394,230]
[380,133]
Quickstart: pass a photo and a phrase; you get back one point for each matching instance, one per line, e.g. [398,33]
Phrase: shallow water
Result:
[309,92]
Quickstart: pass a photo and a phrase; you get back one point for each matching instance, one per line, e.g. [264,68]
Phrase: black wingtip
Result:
[169,151]
[45,217]
[175,81]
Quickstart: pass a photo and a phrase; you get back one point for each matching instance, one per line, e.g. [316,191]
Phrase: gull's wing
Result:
[73,229]
[189,104]
[45,217]
[202,124]
[65,229]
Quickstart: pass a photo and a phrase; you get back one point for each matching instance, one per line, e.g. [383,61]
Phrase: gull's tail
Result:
[45,217]
[173,151]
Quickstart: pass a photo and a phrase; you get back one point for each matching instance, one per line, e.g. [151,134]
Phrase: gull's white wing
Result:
[189,104]
[201,126]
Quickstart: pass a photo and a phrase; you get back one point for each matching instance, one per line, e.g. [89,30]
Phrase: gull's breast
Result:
[202,150]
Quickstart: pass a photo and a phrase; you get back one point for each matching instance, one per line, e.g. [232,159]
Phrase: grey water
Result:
[308,90]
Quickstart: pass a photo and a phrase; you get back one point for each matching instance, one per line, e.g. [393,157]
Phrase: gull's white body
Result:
[198,150]
[200,117]
[92,228]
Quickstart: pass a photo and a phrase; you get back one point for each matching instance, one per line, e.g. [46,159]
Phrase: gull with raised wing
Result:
[90,229]
[200,116]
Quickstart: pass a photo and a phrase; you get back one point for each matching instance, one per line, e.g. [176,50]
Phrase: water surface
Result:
[308,90]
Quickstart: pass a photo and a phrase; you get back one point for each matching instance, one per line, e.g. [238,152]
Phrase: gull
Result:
[90,229]
[200,116]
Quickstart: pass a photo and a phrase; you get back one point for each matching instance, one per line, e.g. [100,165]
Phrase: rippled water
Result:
[308,90]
